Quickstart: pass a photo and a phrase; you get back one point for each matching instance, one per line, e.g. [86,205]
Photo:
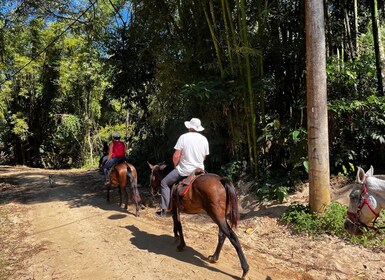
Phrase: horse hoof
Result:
[212,259]
[245,276]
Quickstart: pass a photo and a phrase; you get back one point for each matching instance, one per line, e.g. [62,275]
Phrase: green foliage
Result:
[233,170]
[20,126]
[297,146]
[358,140]
[155,65]
[272,192]
[273,186]
[300,218]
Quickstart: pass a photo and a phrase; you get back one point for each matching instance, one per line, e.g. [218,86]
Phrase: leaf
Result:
[250,230]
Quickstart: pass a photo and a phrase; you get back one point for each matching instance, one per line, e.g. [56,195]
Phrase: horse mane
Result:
[164,168]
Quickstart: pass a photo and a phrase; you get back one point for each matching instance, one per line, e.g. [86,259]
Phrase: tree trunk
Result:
[349,39]
[250,95]
[317,117]
[214,39]
[356,47]
[378,48]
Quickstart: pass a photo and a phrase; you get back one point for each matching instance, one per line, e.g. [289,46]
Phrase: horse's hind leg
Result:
[126,198]
[221,239]
[229,233]
[134,191]
[120,196]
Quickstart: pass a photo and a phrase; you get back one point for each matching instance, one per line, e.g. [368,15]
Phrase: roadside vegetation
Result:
[302,220]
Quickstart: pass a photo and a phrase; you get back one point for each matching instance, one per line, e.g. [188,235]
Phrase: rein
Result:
[364,199]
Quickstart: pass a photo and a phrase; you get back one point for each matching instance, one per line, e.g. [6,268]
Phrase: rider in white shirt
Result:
[190,152]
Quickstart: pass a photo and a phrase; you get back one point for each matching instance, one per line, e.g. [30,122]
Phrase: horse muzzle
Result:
[352,227]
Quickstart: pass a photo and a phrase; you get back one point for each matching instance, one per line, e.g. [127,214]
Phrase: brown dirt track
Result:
[69,231]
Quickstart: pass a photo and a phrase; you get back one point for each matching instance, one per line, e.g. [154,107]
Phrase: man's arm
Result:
[110,152]
[176,157]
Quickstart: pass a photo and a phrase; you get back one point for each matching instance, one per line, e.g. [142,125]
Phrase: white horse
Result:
[367,199]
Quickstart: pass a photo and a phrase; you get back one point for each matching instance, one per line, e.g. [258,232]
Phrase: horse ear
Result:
[150,165]
[360,176]
[370,172]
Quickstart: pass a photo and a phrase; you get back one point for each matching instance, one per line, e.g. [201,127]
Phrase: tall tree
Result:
[317,118]
[380,62]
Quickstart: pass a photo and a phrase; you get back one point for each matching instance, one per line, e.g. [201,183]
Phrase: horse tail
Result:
[231,202]
[134,186]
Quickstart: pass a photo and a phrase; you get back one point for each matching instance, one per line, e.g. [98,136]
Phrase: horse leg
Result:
[178,232]
[135,195]
[134,191]
[230,234]
[221,240]
[108,193]
[120,196]
[175,228]
[126,196]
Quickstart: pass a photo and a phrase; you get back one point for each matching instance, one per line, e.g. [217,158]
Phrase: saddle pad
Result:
[185,185]
[183,188]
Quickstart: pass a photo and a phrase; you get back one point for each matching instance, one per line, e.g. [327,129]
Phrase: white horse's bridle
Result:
[364,200]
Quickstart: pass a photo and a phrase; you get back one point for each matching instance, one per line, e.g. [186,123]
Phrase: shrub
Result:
[331,222]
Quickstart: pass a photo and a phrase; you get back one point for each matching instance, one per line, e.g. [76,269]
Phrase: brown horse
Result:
[211,194]
[123,175]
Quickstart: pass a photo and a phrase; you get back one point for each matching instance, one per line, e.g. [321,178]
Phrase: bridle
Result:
[364,200]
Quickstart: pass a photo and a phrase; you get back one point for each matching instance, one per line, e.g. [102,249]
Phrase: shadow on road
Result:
[79,188]
[165,245]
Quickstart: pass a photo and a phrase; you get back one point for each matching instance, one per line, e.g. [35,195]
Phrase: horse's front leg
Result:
[221,239]
[108,193]
[178,232]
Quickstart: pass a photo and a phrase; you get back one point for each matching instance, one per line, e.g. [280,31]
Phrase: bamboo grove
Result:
[72,72]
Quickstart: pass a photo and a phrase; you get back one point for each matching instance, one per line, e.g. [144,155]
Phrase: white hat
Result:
[195,124]
[116,135]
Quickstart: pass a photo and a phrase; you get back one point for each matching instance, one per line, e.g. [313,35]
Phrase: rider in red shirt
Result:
[116,153]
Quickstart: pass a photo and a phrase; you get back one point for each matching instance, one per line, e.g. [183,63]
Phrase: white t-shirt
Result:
[195,148]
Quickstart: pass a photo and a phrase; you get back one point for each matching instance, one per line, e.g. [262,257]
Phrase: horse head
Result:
[366,200]
[158,172]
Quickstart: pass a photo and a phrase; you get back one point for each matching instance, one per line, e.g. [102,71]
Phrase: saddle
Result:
[181,188]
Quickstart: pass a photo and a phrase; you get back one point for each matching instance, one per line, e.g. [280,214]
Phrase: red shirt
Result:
[118,149]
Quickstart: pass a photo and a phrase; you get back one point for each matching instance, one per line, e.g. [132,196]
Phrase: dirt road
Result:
[67,230]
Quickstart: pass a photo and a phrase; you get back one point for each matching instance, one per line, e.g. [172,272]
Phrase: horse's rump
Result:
[207,190]
[119,174]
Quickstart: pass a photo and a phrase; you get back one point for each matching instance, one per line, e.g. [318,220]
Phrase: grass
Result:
[331,222]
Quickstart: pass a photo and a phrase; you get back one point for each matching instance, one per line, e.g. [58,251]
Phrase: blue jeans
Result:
[165,185]
[110,163]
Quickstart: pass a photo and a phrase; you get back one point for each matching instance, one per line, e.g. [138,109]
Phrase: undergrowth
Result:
[300,218]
